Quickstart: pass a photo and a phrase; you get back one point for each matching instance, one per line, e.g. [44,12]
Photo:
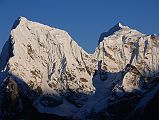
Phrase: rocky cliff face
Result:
[58,77]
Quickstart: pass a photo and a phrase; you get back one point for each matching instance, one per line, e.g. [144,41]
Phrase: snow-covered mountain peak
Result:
[21,18]
[23,22]
[118,26]
[49,60]
[111,31]
[18,21]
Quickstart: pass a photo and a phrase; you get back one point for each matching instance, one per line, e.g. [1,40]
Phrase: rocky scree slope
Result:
[47,67]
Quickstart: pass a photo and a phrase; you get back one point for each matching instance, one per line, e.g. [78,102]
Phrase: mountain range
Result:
[45,74]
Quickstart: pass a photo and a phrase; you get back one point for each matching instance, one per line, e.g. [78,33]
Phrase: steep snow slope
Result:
[59,77]
[46,54]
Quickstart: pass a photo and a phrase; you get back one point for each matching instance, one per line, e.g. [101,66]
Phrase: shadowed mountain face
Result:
[45,74]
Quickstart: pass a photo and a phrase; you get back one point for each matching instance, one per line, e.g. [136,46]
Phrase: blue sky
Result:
[83,19]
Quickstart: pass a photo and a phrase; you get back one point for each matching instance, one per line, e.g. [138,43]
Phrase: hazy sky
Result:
[83,19]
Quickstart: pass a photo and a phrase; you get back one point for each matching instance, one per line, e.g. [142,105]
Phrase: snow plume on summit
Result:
[45,71]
